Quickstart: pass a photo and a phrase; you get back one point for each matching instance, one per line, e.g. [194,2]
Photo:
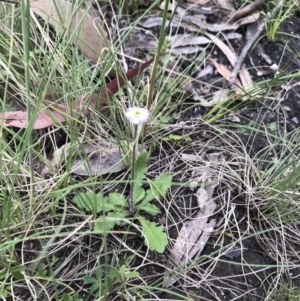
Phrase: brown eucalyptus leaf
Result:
[18,119]
[180,40]
[220,27]
[244,74]
[225,4]
[87,34]
[222,70]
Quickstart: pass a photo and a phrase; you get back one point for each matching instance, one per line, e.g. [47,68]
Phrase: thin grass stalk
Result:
[157,55]
[156,60]
[25,16]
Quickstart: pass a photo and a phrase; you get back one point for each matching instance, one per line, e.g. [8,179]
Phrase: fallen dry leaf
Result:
[245,10]
[186,50]
[199,2]
[198,21]
[195,233]
[94,158]
[44,119]
[220,96]
[208,69]
[173,7]
[218,27]
[102,157]
[225,4]
[244,74]
[152,22]
[87,34]
[222,70]
[180,40]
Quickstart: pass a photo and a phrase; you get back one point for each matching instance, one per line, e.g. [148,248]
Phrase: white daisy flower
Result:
[137,116]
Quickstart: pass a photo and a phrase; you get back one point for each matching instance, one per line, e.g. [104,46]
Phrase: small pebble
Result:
[295,120]
[274,67]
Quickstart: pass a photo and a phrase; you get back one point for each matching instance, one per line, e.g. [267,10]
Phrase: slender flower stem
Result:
[134,151]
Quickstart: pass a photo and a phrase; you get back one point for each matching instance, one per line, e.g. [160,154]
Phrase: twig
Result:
[250,42]
[246,10]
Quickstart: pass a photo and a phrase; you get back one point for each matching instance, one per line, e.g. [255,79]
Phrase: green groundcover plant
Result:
[114,208]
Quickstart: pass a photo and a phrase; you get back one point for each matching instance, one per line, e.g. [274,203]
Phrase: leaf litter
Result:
[92,158]
[195,233]
[186,44]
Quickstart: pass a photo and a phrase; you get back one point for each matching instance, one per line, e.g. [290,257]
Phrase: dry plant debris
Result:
[94,158]
[261,25]
[195,233]
[87,35]
[200,34]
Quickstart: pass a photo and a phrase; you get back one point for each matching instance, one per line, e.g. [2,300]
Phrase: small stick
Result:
[248,45]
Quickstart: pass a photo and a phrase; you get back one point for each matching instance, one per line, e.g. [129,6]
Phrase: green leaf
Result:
[149,208]
[106,223]
[89,280]
[156,238]
[17,275]
[272,126]
[140,194]
[158,187]
[67,297]
[173,137]
[99,273]
[3,293]
[122,269]
[128,275]
[16,272]
[131,275]
[94,287]
[92,202]
[117,199]
[140,169]
[54,259]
